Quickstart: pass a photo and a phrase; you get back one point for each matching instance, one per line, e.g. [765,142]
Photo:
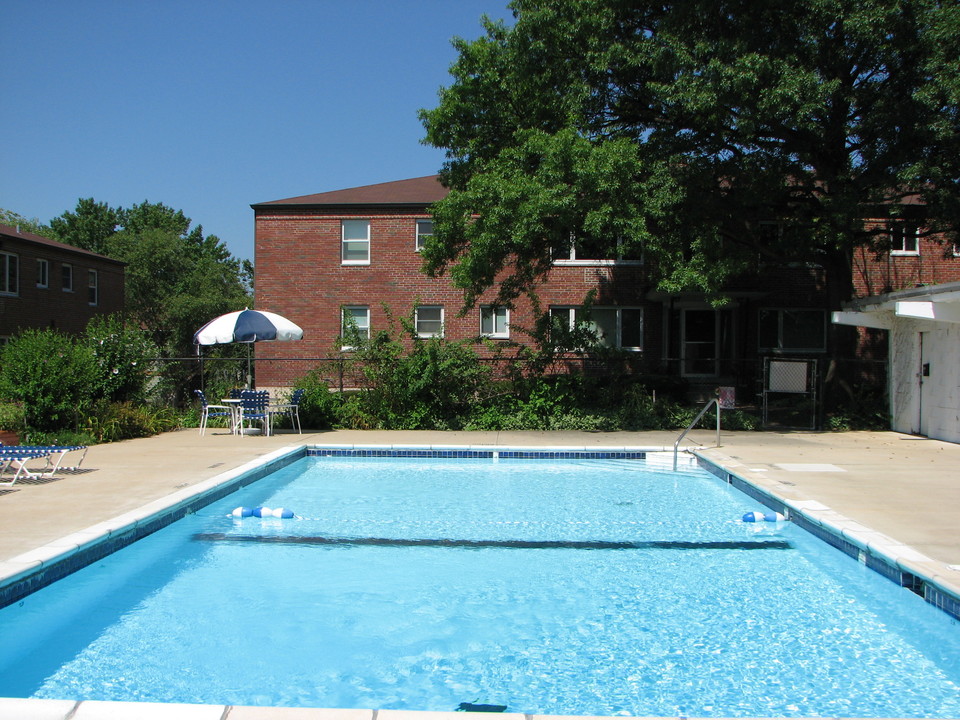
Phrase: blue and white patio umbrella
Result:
[246,326]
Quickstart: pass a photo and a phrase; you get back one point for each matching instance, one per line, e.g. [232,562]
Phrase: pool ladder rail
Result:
[676,445]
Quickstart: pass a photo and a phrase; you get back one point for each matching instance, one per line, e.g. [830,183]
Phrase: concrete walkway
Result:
[903,487]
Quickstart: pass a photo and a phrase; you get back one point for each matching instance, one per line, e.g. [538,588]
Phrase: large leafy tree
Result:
[176,277]
[90,226]
[683,128]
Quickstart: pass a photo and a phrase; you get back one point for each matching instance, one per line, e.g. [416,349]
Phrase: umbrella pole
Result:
[249,371]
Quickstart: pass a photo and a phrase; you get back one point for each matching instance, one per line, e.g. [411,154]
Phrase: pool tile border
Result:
[479,453]
[893,560]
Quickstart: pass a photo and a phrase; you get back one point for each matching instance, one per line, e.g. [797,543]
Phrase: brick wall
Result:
[300,275]
[935,263]
[34,306]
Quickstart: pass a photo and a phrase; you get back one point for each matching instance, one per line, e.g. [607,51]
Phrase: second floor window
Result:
[43,273]
[93,287]
[429,320]
[424,230]
[9,274]
[584,251]
[904,240]
[66,277]
[355,242]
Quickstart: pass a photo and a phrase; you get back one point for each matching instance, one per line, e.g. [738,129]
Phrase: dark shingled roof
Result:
[417,191]
[13,231]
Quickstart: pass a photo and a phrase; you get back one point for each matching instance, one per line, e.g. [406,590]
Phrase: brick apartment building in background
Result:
[48,284]
[351,252]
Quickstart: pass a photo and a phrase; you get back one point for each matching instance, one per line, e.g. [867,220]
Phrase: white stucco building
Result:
[924,337]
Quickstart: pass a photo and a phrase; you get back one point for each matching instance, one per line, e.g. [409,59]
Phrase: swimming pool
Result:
[551,586]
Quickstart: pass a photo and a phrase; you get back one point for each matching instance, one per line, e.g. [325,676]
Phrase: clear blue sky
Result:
[210,105]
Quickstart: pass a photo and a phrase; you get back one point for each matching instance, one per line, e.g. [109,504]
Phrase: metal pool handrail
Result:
[676,445]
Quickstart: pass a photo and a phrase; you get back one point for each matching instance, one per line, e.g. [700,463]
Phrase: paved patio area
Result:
[903,487]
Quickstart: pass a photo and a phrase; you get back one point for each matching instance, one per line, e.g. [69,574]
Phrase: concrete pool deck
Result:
[894,489]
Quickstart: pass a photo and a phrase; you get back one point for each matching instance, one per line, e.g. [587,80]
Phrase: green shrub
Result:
[121,353]
[59,437]
[319,408]
[123,421]
[52,375]
[13,418]
[415,383]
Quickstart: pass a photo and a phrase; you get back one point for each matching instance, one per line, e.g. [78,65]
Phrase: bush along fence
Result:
[445,390]
[111,384]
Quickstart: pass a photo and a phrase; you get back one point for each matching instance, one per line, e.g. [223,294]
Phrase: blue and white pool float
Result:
[262,512]
[763,517]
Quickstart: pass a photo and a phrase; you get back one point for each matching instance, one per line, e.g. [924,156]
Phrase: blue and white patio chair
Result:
[254,407]
[291,408]
[208,411]
[16,457]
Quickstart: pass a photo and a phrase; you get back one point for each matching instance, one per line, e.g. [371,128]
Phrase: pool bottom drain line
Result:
[322,540]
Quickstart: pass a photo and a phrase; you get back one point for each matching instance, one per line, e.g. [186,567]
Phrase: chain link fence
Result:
[830,385]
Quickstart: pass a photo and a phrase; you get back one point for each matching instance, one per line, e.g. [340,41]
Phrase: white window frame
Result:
[355,241]
[492,313]
[577,313]
[571,259]
[43,273]
[9,274]
[417,320]
[93,288]
[362,328]
[422,236]
[899,233]
[66,277]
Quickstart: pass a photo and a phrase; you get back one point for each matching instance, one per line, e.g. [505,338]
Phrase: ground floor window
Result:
[66,277]
[792,330]
[612,327]
[429,321]
[494,321]
[354,325]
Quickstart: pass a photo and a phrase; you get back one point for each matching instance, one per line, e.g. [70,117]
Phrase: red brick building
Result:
[47,284]
[353,252]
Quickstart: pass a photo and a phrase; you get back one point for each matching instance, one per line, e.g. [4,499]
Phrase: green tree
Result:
[32,225]
[682,129]
[173,287]
[122,352]
[176,277]
[90,226]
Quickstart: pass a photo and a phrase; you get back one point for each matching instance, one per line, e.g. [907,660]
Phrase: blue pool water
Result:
[597,587]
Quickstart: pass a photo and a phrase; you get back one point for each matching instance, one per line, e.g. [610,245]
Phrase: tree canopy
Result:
[177,279]
[682,129]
